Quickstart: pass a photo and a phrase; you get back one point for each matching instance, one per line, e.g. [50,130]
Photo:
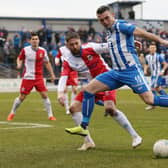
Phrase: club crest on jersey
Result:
[41,55]
[89,57]
[22,89]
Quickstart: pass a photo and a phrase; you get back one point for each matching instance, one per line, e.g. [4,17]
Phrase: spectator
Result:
[131,14]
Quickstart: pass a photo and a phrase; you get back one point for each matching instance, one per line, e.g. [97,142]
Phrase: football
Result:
[160,148]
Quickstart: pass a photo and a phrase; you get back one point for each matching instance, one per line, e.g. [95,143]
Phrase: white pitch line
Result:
[24,125]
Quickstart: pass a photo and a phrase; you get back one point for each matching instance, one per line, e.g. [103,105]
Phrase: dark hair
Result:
[153,43]
[102,9]
[71,35]
[34,34]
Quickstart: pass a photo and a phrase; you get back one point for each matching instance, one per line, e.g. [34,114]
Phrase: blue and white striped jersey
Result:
[155,63]
[120,40]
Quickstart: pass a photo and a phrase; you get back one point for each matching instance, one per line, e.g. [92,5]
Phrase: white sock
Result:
[66,102]
[77,117]
[123,122]
[72,97]
[16,104]
[48,107]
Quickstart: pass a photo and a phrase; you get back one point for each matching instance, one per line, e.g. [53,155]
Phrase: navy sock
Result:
[154,92]
[100,103]
[87,108]
[162,92]
[161,101]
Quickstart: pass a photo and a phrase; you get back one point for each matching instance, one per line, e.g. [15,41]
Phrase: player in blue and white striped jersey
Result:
[126,67]
[157,65]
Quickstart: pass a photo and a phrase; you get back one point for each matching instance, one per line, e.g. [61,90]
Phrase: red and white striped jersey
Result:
[89,64]
[33,62]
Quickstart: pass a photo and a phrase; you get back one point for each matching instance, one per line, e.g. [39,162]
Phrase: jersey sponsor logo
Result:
[89,57]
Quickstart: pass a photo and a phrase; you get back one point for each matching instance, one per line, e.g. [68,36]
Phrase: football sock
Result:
[100,103]
[123,122]
[77,118]
[72,97]
[87,108]
[154,92]
[161,101]
[16,104]
[162,92]
[47,105]
[66,102]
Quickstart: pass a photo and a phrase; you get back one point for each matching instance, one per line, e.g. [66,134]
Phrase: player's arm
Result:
[50,70]
[100,47]
[19,63]
[142,33]
[164,67]
[138,45]
[61,89]
[62,82]
[146,66]
[48,66]
[20,59]
[57,58]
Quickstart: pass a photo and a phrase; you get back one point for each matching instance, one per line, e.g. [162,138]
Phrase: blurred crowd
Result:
[52,40]
[145,45]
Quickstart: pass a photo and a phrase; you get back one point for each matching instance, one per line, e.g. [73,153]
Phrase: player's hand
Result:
[164,42]
[57,61]
[138,45]
[161,73]
[19,66]
[53,78]
[61,99]
[145,73]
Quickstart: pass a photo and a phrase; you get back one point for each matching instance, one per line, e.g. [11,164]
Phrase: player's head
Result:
[34,40]
[152,48]
[73,42]
[105,16]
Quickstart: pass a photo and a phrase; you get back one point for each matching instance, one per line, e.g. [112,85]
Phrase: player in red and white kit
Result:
[33,58]
[86,60]
[72,82]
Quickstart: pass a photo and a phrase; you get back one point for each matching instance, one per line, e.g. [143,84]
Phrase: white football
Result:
[160,148]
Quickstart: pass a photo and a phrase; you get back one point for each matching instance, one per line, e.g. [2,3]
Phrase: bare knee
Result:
[148,97]
[148,101]
[22,97]
[72,109]
[111,111]
[75,107]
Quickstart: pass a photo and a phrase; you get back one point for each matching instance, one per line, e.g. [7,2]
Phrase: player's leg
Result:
[109,104]
[66,104]
[150,107]
[15,106]
[75,109]
[73,93]
[47,104]
[156,82]
[123,121]
[89,99]
[138,83]
[41,88]
[102,82]
[25,89]
[154,100]
[159,87]
[161,91]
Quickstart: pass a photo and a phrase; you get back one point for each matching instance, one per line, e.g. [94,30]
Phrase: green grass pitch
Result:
[53,148]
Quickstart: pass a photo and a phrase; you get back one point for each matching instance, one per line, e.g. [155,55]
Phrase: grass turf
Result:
[54,148]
